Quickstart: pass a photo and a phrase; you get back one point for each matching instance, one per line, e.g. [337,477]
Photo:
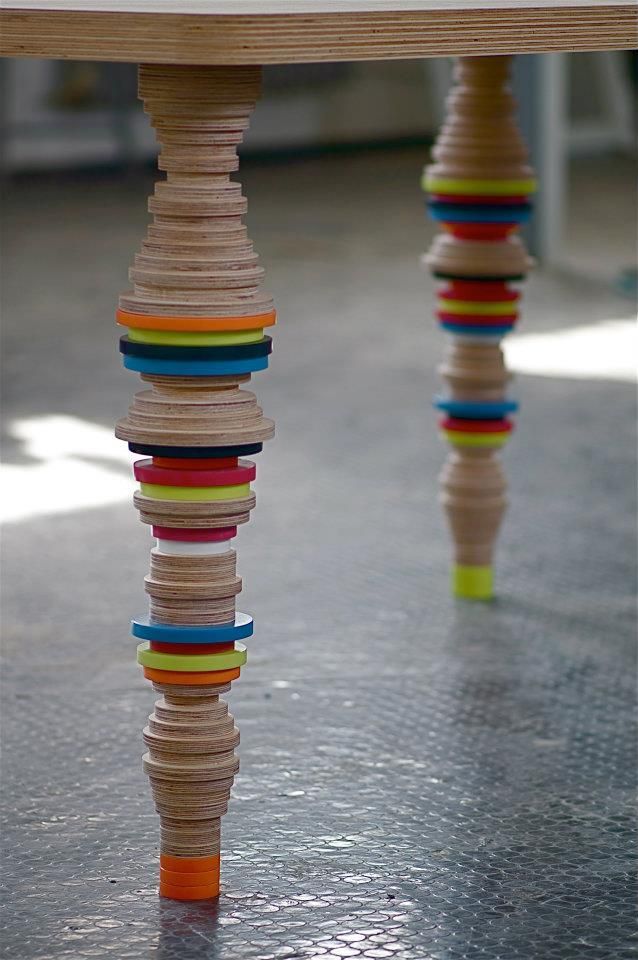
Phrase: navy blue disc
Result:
[196,453]
[478,278]
[160,351]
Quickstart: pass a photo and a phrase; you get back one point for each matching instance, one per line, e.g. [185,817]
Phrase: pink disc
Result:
[205,535]
[146,472]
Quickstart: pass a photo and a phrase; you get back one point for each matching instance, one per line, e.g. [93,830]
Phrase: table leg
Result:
[196,319]
[479,187]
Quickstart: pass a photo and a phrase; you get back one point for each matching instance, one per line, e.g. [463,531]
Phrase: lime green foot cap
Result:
[472,583]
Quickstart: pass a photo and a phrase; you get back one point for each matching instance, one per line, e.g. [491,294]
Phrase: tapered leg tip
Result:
[472,583]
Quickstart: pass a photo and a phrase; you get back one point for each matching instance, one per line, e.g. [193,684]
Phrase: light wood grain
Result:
[205,33]
[266,7]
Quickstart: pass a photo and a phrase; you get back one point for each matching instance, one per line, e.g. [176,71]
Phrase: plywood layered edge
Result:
[298,38]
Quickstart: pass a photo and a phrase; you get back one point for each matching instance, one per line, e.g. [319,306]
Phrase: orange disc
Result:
[189,864]
[191,679]
[208,892]
[142,321]
[169,878]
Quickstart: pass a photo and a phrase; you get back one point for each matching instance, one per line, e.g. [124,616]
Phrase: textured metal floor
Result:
[421,780]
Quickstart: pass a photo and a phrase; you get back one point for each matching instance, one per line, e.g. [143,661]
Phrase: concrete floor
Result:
[420,779]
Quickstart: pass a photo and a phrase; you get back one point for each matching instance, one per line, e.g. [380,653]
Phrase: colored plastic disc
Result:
[195,494]
[476,331]
[147,472]
[497,188]
[195,368]
[185,648]
[455,213]
[196,663]
[142,321]
[191,679]
[472,583]
[476,426]
[469,439]
[239,629]
[209,892]
[205,535]
[189,864]
[157,351]
[484,308]
[175,338]
[478,319]
[196,453]
[185,548]
[205,463]
[181,878]
[478,291]
[475,409]
[483,199]
[480,231]
[503,278]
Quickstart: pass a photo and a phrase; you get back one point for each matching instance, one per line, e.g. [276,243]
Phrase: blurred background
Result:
[345,562]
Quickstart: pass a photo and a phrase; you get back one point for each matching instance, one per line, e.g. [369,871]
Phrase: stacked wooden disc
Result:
[479,190]
[196,318]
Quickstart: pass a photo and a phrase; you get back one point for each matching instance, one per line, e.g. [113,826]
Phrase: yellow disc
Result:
[159,492]
[485,309]
[473,583]
[191,663]
[175,338]
[460,439]
[488,188]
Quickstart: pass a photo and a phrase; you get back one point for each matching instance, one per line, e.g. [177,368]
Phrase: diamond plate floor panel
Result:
[420,780]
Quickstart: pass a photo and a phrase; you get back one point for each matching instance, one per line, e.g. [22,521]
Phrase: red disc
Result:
[462,199]
[205,535]
[480,231]
[190,647]
[488,291]
[476,319]
[146,472]
[185,463]
[476,426]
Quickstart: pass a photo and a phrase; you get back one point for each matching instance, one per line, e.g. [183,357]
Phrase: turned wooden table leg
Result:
[196,319]
[479,188]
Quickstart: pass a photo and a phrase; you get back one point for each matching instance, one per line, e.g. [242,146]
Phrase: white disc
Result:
[199,548]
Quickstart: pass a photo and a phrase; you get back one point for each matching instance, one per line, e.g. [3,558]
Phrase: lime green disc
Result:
[484,309]
[460,439]
[472,583]
[488,188]
[175,338]
[159,492]
[193,663]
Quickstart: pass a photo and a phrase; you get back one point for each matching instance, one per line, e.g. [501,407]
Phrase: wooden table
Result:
[198,319]
[294,31]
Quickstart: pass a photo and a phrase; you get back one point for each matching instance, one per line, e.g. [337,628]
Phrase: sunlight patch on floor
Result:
[72,471]
[598,351]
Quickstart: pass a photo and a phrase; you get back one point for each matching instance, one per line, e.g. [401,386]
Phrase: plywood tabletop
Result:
[288,31]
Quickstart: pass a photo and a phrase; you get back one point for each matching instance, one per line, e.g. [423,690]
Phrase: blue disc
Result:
[195,368]
[455,213]
[475,409]
[477,331]
[196,453]
[217,633]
